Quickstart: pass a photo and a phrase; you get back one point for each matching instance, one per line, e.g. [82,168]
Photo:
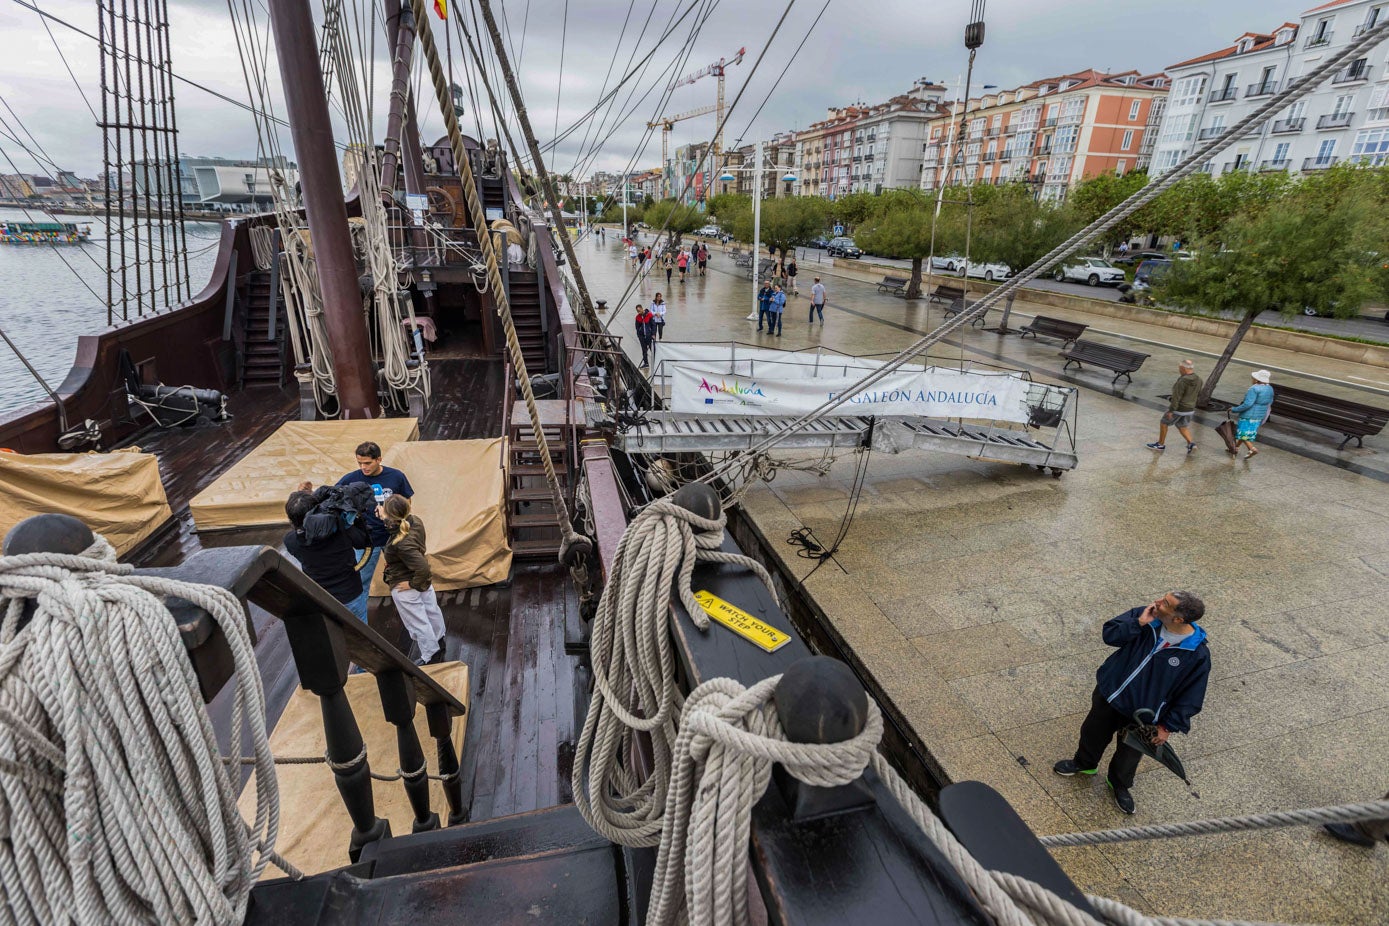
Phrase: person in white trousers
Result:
[409,578]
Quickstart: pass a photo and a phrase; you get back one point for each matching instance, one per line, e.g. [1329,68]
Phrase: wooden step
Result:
[534,549]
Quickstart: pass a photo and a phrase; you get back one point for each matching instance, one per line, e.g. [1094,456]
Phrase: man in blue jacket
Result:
[1161,666]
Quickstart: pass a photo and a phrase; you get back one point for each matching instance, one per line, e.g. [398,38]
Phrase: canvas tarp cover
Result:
[116,494]
[314,825]
[460,490]
[252,493]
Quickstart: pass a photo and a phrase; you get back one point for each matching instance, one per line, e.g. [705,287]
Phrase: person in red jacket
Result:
[646,333]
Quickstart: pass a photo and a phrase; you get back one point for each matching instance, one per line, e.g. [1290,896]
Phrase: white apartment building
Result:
[1345,119]
[888,143]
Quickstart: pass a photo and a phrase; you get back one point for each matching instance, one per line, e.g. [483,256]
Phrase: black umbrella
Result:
[1141,736]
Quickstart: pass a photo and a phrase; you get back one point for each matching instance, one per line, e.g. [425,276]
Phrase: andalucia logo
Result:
[739,392]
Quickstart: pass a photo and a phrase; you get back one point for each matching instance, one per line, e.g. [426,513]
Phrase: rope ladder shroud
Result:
[115,804]
[1295,91]
[425,33]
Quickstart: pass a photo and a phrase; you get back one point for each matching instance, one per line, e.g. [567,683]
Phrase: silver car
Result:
[1095,271]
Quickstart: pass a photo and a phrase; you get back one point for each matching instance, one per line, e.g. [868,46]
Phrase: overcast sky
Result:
[859,51]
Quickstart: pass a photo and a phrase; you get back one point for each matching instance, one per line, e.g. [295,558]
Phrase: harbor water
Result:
[52,294]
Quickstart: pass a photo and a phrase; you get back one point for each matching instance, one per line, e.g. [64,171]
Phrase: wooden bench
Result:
[947,293]
[1068,332]
[1351,419]
[1120,361]
[764,268]
[895,285]
[957,305]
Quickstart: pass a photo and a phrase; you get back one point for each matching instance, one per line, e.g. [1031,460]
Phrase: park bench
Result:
[1116,359]
[895,285]
[947,293]
[1068,332]
[764,268]
[1351,419]
[957,305]
[741,258]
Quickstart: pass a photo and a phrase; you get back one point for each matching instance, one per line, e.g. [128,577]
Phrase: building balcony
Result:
[1271,166]
[1318,163]
[1287,126]
[1073,119]
[1352,74]
[993,131]
[1234,165]
[1317,41]
[1044,151]
[1335,120]
[990,156]
[1225,96]
[1209,133]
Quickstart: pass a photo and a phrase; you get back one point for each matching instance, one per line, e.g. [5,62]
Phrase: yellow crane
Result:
[667,122]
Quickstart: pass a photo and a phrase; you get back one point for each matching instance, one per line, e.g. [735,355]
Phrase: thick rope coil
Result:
[1310,816]
[115,805]
[634,668]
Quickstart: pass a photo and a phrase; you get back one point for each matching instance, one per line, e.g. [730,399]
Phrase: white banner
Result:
[933,393]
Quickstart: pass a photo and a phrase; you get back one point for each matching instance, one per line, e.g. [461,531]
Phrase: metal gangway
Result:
[1046,441]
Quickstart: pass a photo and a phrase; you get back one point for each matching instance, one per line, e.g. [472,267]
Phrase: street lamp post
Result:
[727,177]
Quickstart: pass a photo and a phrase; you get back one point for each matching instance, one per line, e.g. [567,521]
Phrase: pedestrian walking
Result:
[683,262]
[647,263]
[1123,248]
[668,262]
[1361,832]
[1160,668]
[764,303]
[777,308]
[410,580]
[791,270]
[1252,412]
[658,310]
[703,257]
[632,255]
[646,334]
[817,301]
[1181,407]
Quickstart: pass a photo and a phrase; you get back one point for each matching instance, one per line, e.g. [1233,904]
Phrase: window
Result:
[1371,19]
[1280,152]
[1166,160]
[1322,34]
[1217,123]
[1229,85]
[1074,110]
[1188,91]
[1127,143]
[1066,137]
[997,121]
[1121,167]
[1180,128]
[1326,150]
[1297,110]
[1371,147]
[1133,110]
[1343,105]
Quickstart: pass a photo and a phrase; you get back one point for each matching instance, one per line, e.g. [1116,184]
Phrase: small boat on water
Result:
[44,232]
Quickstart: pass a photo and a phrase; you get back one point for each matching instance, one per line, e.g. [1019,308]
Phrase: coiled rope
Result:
[634,688]
[115,805]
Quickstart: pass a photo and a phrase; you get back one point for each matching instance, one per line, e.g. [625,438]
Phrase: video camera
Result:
[336,505]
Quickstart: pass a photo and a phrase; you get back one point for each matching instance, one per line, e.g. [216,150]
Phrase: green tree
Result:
[1011,227]
[724,206]
[1320,244]
[675,217]
[1094,197]
[901,224]
[853,208]
[786,223]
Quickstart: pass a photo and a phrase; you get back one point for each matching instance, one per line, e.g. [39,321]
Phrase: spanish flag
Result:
[441,9]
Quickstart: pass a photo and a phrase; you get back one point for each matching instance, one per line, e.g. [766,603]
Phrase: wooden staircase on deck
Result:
[531,519]
[264,363]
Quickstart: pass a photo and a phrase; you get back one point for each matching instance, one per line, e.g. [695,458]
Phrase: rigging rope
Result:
[572,540]
[634,687]
[114,802]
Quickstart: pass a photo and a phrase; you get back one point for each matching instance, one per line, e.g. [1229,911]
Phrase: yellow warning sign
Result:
[742,623]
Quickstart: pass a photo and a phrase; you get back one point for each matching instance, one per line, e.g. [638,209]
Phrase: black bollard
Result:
[819,700]
[699,498]
[48,533]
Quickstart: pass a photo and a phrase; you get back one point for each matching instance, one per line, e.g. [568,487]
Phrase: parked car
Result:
[1134,258]
[708,231]
[1095,271]
[820,242]
[949,263]
[843,247]
[1150,271]
[989,271]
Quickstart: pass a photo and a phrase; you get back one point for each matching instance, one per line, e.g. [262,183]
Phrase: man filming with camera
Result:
[325,538]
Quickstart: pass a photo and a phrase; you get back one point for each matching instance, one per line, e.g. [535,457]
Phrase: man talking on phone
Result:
[1161,667]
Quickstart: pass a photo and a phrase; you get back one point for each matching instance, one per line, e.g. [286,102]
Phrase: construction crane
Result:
[667,122]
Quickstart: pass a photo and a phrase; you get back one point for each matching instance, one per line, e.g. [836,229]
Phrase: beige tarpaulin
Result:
[252,493]
[460,488]
[314,825]
[116,494]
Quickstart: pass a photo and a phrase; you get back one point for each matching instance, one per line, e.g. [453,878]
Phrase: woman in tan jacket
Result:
[408,576]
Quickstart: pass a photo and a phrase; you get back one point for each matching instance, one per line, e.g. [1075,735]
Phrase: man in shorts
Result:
[1181,407]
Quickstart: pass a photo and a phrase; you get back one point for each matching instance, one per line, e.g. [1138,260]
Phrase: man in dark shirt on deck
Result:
[385,482]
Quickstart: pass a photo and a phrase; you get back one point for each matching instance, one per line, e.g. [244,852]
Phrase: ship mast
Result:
[307,104]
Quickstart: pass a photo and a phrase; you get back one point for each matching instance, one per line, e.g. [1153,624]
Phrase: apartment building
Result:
[889,142]
[1346,118]
[1050,133]
[824,153]
[778,159]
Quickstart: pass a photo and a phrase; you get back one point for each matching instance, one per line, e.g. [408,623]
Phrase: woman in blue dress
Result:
[1252,412]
